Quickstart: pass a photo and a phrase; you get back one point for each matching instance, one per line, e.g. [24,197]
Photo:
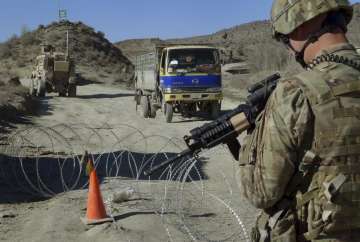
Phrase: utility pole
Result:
[67,42]
[58,3]
[62,14]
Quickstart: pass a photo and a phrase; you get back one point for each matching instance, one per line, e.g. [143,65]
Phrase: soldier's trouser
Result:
[346,236]
[282,230]
[285,231]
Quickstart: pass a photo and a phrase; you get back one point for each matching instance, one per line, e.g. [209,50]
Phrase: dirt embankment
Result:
[96,59]
[15,102]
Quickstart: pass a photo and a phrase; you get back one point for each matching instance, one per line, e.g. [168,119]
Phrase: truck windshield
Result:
[193,60]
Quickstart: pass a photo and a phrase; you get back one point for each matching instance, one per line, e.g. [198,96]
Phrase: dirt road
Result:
[196,201]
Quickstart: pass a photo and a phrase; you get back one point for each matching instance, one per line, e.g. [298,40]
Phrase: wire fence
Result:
[45,161]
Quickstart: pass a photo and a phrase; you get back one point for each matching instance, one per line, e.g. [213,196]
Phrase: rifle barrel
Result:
[151,170]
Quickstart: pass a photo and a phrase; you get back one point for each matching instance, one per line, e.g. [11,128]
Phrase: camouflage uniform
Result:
[301,163]
[283,140]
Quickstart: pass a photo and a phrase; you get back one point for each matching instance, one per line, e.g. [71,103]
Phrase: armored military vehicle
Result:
[53,72]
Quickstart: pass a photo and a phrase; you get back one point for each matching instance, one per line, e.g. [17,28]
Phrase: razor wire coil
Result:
[46,161]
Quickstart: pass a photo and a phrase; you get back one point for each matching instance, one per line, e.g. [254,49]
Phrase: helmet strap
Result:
[333,20]
[299,55]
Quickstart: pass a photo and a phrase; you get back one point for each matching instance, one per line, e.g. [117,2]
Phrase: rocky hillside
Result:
[134,47]
[96,58]
[15,102]
[249,42]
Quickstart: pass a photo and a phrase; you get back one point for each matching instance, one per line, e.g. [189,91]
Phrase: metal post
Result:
[67,42]
[58,2]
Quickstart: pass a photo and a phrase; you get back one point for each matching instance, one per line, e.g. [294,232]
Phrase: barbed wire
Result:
[46,161]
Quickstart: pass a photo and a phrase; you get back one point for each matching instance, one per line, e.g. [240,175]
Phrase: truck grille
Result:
[192,89]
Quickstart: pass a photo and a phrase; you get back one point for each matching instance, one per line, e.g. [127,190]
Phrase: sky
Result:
[131,19]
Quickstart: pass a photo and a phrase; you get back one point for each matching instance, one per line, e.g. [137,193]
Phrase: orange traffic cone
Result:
[95,213]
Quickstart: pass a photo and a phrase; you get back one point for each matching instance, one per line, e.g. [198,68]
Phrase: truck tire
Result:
[137,97]
[169,111]
[72,90]
[152,111]
[32,90]
[163,107]
[41,88]
[62,93]
[145,106]
[189,110]
[215,110]
[192,108]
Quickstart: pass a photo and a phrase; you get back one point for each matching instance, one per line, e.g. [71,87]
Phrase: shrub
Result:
[101,34]
[5,50]
[28,39]
[267,56]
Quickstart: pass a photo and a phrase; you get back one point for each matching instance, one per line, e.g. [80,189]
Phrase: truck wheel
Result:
[215,110]
[205,107]
[192,108]
[169,110]
[137,97]
[41,88]
[163,107]
[72,90]
[62,94]
[152,111]
[145,106]
[189,110]
[32,90]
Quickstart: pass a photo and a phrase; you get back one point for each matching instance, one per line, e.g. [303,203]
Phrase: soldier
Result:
[301,163]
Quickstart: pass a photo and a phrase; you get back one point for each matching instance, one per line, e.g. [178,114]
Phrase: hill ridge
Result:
[96,58]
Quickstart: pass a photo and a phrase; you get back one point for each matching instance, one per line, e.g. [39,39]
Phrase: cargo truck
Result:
[182,79]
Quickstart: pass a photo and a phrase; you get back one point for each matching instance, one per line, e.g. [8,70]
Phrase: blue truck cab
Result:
[187,80]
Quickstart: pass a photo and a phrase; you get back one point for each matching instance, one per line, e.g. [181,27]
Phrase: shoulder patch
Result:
[314,84]
[289,84]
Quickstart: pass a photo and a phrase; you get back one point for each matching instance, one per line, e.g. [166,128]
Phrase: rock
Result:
[122,196]
[7,215]
[97,229]
[14,81]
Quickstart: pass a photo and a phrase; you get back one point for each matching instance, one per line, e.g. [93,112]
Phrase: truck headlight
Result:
[172,90]
[167,90]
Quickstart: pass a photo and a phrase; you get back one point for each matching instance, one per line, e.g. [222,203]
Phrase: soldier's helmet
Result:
[288,15]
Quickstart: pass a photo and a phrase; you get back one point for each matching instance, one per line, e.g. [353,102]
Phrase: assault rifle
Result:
[228,127]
